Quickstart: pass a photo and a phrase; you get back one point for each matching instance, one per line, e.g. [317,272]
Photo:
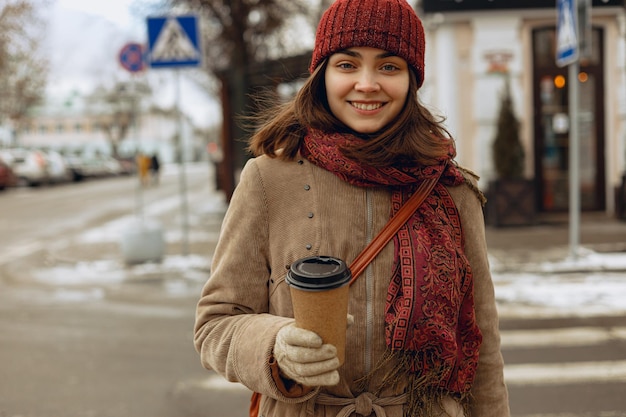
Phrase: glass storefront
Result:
[552,125]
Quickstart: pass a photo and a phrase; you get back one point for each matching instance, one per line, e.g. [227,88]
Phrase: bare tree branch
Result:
[23,70]
[115,110]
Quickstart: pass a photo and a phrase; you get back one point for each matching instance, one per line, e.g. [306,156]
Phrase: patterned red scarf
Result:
[430,321]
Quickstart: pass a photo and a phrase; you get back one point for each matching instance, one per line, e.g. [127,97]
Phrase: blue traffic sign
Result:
[131,57]
[566,33]
[173,41]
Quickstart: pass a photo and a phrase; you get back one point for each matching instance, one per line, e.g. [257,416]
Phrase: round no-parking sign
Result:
[132,57]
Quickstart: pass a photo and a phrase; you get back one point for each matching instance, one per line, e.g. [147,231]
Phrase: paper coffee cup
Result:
[319,294]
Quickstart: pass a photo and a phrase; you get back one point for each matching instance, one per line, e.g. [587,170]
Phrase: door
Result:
[552,125]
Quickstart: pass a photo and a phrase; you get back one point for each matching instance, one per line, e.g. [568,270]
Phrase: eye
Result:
[389,68]
[345,65]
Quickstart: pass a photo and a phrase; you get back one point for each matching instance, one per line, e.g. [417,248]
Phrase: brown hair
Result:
[415,136]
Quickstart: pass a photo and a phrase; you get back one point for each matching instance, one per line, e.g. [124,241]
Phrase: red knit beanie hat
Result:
[391,25]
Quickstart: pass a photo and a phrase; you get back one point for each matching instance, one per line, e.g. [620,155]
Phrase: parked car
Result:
[7,177]
[128,165]
[29,166]
[85,166]
[58,169]
[76,166]
[95,167]
[112,166]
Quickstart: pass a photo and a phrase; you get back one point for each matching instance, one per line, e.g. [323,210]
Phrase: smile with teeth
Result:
[366,106]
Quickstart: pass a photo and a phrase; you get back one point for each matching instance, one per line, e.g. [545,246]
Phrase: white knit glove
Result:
[302,357]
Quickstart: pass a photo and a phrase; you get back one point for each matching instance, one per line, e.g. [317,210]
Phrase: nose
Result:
[367,82]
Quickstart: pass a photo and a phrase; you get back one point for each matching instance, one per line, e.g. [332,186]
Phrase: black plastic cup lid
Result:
[318,273]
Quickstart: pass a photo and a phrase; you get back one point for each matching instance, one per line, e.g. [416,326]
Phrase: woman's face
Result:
[366,87]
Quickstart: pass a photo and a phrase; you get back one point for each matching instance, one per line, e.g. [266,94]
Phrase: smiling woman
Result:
[332,167]
[366,87]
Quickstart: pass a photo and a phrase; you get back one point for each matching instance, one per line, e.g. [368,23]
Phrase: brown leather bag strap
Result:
[391,228]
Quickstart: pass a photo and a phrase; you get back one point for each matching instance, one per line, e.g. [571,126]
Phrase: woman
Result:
[332,166]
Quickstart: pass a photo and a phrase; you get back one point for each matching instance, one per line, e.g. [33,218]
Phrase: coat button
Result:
[310,215]
[307,187]
[300,162]
[309,246]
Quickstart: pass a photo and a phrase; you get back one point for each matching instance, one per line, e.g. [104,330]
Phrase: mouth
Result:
[366,106]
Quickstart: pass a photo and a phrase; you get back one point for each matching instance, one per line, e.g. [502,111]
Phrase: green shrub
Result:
[508,152]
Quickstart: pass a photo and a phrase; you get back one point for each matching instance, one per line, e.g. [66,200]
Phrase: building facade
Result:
[74,128]
[474,46]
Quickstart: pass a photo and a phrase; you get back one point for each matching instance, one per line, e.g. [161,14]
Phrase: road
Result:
[570,367]
[82,334]
[37,216]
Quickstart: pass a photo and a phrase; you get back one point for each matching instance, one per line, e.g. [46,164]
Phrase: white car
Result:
[58,169]
[29,166]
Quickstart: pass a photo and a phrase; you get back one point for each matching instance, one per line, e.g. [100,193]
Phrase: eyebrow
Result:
[355,54]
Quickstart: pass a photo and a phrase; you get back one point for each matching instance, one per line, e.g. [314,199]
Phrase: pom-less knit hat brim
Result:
[391,25]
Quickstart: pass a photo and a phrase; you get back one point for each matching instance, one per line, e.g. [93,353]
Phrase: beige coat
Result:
[282,211]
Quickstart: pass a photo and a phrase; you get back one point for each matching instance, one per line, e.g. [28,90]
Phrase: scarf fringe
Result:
[472,185]
[424,395]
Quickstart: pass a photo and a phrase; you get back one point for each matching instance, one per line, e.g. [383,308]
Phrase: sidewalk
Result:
[548,241]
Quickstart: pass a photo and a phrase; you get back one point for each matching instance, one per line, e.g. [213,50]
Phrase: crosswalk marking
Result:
[216,382]
[514,375]
[581,414]
[538,374]
[565,373]
[574,336]
[19,251]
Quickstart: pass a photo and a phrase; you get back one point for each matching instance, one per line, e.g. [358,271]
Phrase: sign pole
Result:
[582,15]
[142,241]
[574,160]
[132,60]
[182,173]
[174,42]
[568,54]
[135,121]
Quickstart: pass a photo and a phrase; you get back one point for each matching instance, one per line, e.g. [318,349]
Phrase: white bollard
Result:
[142,242]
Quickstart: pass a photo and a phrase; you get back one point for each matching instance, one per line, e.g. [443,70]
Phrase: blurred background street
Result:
[86,334]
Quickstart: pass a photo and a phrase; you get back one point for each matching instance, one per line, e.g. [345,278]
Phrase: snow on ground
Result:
[590,284]
[543,291]
[559,295]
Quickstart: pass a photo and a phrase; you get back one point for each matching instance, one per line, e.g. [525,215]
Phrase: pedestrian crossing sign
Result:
[173,41]
[566,33]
